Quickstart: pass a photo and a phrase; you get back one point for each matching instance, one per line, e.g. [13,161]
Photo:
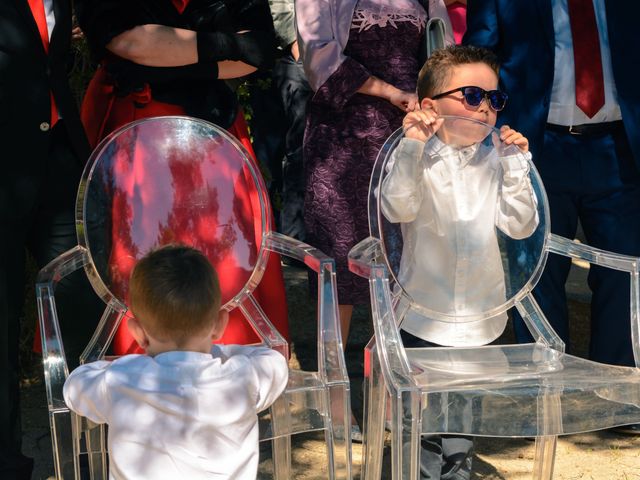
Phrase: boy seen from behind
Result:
[185,409]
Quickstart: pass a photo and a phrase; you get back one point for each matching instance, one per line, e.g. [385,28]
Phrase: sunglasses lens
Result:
[498,100]
[473,96]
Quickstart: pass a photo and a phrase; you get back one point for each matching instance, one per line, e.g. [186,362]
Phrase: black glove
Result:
[128,76]
[256,48]
[209,15]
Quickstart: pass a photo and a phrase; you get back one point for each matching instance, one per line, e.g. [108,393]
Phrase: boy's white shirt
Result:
[449,202]
[181,415]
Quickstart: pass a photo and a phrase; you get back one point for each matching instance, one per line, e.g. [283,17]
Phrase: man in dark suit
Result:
[570,68]
[42,152]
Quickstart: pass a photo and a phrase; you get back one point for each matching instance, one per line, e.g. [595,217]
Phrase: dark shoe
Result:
[460,470]
[22,471]
[633,429]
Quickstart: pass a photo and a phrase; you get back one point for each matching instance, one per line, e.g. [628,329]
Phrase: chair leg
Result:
[338,432]
[97,452]
[545,458]
[281,445]
[375,414]
[405,437]
[281,457]
[66,444]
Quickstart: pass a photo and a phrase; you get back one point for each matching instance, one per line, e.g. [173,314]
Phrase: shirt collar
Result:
[461,156]
[180,356]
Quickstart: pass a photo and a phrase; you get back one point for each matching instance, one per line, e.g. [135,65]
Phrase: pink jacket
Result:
[323,31]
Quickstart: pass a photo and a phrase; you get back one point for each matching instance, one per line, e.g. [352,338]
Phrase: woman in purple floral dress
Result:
[361,59]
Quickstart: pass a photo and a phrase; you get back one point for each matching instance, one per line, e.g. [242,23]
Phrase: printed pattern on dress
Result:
[370,13]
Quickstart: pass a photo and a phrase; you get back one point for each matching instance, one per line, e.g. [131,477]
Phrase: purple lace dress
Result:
[345,131]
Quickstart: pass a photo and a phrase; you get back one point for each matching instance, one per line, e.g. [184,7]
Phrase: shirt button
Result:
[44,126]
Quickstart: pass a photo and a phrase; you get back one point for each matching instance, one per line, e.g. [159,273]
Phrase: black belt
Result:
[588,129]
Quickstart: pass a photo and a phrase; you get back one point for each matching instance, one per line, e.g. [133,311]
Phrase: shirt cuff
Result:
[516,163]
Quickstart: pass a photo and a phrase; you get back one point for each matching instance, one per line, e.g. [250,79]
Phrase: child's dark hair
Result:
[174,292]
[437,70]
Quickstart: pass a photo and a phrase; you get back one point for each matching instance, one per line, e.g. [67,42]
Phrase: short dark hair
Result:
[174,292]
[437,70]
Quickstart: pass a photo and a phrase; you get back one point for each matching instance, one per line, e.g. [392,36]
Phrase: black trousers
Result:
[592,179]
[442,457]
[45,226]
[295,92]
[277,127]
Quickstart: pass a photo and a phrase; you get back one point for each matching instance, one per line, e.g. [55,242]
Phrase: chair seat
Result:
[304,407]
[521,391]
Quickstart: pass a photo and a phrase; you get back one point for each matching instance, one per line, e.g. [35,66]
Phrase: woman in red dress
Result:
[171,57]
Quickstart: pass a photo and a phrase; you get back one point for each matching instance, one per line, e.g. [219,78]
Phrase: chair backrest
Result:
[462,222]
[205,193]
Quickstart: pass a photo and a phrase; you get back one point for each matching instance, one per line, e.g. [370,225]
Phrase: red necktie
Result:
[37,8]
[180,4]
[586,57]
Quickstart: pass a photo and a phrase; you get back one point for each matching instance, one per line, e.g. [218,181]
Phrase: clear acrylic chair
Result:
[139,173]
[459,234]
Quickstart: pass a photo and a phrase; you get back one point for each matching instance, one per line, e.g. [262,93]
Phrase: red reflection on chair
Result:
[205,198]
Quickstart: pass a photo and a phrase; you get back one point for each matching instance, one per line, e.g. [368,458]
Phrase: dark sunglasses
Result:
[474,96]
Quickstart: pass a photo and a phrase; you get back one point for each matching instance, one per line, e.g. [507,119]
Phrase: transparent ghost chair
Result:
[175,180]
[459,234]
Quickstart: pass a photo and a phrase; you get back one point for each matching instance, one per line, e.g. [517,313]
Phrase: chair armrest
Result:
[331,363]
[284,245]
[104,332]
[569,248]
[364,255]
[63,265]
[626,263]
[537,323]
[53,357]
[270,336]
[367,260]
[393,357]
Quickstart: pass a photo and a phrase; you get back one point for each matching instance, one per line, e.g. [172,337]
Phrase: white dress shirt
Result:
[450,201]
[563,109]
[180,415]
[51,18]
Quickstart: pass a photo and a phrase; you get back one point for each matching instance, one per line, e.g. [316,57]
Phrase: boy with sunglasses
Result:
[450,195]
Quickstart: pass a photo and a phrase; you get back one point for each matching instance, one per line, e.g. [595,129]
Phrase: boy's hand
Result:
[510,137]
[421,124]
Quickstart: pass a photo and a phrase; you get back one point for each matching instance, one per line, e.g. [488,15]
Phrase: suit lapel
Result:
[546,20]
